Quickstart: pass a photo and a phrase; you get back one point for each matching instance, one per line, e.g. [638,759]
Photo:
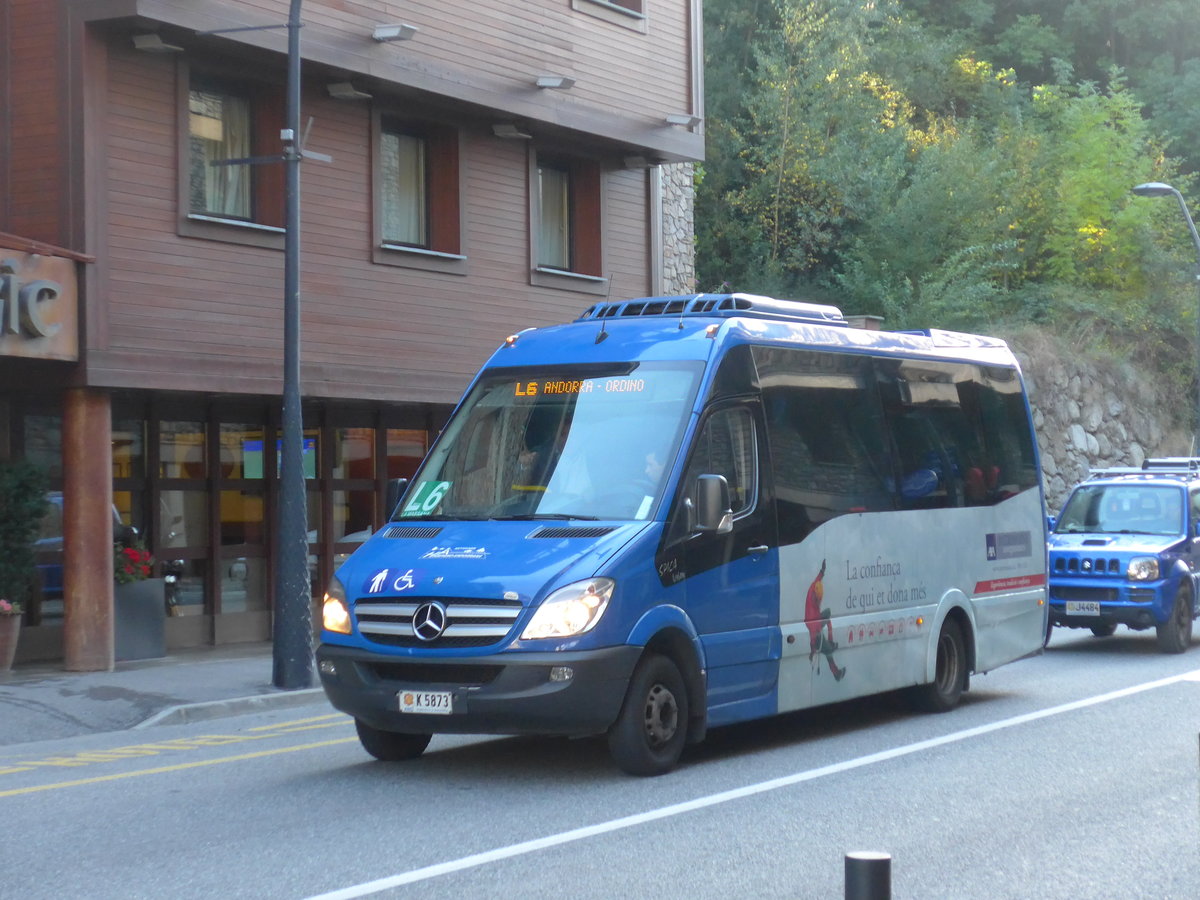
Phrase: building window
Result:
[405,189]
[566,207]
[554,212]
[626,13]
[225,119]
[219,129]
[417,196]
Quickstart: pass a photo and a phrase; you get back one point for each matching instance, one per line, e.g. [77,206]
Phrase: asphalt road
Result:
[1070,775]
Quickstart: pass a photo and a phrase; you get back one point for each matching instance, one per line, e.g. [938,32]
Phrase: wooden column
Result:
[88,643]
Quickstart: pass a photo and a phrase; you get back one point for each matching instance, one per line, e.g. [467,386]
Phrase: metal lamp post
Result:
[1158,189]
[292,645]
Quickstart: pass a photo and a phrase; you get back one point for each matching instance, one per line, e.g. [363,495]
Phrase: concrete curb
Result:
[216,709]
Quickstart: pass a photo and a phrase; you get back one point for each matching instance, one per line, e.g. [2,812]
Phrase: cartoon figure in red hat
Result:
[820,626]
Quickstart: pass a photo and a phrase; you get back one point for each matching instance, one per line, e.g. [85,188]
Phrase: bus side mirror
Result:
[395,490]
[713,514]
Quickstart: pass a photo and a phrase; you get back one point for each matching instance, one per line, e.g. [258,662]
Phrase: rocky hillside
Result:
[1092,413]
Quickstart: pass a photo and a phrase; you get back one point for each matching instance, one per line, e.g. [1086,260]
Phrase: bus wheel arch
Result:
[663,707]
[954,660]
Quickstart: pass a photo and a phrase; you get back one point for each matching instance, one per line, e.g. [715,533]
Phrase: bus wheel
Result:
[651,728]
[1107,630]
[950,672]
[390,746]
[1175,634]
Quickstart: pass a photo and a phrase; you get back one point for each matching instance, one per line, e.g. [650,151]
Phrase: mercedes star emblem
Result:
[429,621]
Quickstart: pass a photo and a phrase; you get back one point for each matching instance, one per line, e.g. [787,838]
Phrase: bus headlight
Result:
[570,610]
[335,613]
[1142,568]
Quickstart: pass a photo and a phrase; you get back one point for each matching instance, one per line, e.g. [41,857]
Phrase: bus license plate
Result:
[1083,608]
[435,703]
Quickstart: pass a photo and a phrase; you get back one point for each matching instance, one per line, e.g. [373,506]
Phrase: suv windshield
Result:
[1123,509]
[581,442]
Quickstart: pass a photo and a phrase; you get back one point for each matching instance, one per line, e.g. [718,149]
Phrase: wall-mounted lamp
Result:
[510,131]
[153,43]
[684,120]
[401,31]
[555,82]
[344,90]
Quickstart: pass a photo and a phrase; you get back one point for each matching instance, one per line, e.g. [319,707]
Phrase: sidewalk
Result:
[40,703]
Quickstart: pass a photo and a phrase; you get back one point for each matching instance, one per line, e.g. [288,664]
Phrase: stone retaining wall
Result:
[1093,413]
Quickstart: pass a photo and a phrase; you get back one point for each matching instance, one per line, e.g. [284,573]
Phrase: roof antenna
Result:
[684,307]
[607,294]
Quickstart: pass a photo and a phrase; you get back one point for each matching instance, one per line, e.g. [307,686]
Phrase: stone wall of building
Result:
[679,244]
[1096,413]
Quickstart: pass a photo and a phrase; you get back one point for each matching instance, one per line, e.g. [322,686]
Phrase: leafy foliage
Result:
[956,164]
[22,505]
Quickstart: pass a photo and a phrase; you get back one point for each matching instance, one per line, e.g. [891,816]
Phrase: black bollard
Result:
[868,875]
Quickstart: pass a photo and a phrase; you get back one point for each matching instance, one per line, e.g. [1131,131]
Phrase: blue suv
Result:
[1125,551]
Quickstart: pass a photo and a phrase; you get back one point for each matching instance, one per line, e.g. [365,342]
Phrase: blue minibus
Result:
[678,513]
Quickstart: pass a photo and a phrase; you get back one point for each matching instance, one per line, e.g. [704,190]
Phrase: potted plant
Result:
[22,505]
[139,601]
[132,562]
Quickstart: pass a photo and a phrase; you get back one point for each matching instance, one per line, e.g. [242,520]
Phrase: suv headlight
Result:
[570,610]
[335,612]
[1142,568]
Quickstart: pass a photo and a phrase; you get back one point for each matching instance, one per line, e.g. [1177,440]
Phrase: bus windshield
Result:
[1123,509]
[581,442]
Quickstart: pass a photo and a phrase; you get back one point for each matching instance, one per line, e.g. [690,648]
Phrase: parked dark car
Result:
[49,548]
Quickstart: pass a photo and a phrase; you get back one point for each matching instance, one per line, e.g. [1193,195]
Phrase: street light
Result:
[1158,189]
[292,644]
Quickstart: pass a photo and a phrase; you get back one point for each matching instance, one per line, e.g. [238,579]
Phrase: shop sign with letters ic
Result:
[38,306]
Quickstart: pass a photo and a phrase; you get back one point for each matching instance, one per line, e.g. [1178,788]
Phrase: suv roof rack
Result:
[1178,463]
[1171,466]
[722,305]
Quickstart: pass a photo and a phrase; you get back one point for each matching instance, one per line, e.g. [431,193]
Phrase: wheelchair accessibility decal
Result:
[391,580]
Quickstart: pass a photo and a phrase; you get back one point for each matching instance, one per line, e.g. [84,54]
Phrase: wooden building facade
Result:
[495,165]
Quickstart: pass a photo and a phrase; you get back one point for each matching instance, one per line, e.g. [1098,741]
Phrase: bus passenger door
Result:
[731,579]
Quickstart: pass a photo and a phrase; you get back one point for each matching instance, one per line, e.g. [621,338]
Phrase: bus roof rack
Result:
[721,305]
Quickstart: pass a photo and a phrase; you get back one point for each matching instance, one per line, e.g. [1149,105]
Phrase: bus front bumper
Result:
[507,693]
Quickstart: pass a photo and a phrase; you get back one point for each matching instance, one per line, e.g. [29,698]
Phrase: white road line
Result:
[675,809]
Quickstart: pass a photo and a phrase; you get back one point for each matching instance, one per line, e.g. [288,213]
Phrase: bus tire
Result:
[648,736]
[950,672]
[390,746]
[1175,634]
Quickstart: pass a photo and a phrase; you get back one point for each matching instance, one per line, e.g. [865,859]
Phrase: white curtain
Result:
[220,130]
[554,226]
[404,197]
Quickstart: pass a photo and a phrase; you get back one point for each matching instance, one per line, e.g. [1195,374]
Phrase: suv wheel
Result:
[1175,634]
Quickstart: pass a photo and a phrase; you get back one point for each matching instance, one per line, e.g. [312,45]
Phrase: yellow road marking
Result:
[175,768]
[341,717]
[91,757]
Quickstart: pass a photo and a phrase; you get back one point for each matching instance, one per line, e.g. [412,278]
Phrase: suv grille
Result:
[469,622]
[1087,565]
[1103,595]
